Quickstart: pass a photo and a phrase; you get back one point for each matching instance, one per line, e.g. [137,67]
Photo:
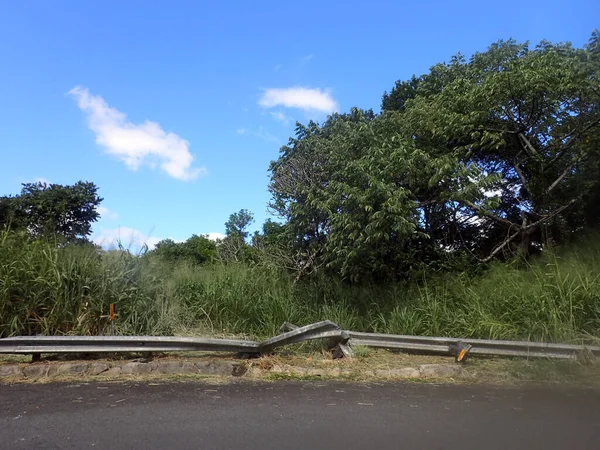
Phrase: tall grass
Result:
[50,290]
[555,298]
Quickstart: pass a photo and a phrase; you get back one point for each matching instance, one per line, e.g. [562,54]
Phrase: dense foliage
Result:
[55,290]
[52,210]
[483,157]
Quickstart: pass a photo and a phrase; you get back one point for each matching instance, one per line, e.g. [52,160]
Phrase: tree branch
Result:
[561,177]
[529,227]
[553,214]
[573,138]
[527,146]
[490,215]
[521,176]
[500,247]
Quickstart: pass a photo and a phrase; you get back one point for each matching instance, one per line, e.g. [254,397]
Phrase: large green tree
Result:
[350,190]
[53,210]
[234,246]
[238,223]
[482,156]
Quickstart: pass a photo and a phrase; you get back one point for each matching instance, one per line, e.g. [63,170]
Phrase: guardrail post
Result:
[460,351]
[343,347]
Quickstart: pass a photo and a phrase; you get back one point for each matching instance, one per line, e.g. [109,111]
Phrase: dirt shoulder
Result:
[372,365]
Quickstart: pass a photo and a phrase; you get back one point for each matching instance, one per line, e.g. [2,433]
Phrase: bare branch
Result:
[521,175]
[553,214]
[495,130]
[490,215]
[561,177]
[529,149]
[526,228]
[500,247]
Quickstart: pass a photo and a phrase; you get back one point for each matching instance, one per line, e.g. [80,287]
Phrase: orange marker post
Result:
[111,316]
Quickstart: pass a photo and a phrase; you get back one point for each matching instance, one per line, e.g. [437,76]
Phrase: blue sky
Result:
[175,109]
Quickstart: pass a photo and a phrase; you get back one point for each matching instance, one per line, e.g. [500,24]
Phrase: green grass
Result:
[556,298]
[50,290]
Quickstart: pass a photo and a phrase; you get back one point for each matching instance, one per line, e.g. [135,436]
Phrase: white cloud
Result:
[129,238]
[136,144]
[107,213]
[42,180]
[299,97]
[281,117]
[214,236]
[307,58]
[261,133]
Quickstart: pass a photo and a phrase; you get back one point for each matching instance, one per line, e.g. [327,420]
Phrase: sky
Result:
[174,109]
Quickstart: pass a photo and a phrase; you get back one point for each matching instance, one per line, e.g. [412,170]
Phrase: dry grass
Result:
[501,371]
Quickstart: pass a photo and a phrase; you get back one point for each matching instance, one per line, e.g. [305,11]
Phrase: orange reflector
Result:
[112,311]
[461,355]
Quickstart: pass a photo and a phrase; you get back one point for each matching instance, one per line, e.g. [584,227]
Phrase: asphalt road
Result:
[296,415]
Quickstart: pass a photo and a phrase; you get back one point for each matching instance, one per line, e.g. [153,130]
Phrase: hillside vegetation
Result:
[467,207]
[50,290]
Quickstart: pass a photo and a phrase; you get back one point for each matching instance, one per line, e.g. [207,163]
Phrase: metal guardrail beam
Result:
[444,346]
[107,344]
[96,344]
[404,346]
[291,335]
[313,331]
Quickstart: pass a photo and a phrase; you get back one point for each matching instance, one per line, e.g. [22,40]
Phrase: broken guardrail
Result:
[36,345]
[292,334]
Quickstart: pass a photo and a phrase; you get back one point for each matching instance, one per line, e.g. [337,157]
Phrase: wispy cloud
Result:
[136,144]
[281,117]
[106,213]
[132,239]
[215,236]
[266,136]
[303,98]
[261,133]
[307,58]
[42,180]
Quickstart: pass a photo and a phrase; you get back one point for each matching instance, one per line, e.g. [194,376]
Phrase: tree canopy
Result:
[52,210]
[481,158]
[196,249]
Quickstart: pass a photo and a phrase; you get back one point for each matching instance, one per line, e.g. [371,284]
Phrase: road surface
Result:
[296,415]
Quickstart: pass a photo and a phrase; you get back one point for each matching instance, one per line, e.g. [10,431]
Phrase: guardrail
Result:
[487,347]
[35,345]
[292,334]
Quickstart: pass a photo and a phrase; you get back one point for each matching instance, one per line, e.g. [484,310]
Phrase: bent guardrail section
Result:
[292,334]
